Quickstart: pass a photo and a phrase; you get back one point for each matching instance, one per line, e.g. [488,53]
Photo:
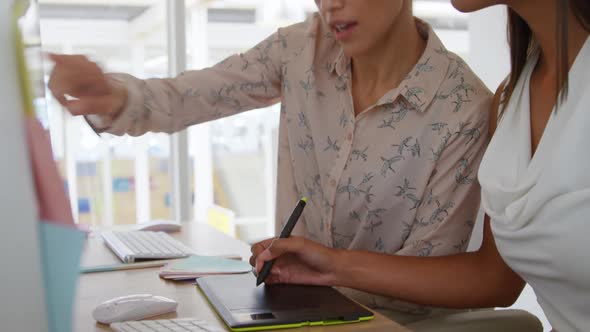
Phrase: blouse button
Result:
[349,137]
[333,182]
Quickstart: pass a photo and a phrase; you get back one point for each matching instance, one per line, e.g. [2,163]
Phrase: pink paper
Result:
[53,202]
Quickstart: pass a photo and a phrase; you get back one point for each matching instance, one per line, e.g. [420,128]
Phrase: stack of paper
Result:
[196,266]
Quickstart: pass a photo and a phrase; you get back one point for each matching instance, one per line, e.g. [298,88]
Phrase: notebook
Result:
[197,266]
[245,307]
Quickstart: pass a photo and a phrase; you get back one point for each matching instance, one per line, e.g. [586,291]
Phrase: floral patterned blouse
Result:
[399,178]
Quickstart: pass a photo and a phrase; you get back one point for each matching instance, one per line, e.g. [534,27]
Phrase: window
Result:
[248,139]
[110,180]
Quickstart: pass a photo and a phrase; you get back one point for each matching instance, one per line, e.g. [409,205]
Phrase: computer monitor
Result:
[22,305]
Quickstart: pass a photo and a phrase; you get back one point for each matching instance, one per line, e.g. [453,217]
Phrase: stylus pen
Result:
[286,232]
[122,266]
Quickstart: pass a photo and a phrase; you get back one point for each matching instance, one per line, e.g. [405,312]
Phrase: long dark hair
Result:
[522,44]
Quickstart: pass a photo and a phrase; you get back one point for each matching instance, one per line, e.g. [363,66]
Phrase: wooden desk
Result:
[95,288]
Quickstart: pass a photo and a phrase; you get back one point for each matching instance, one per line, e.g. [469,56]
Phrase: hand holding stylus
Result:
[285,233]
[293,259]
[298,261]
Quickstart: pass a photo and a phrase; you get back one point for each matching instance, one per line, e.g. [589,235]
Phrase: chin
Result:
[468,6]
[352,50]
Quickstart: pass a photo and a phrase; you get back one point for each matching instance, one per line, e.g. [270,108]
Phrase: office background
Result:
[231,162]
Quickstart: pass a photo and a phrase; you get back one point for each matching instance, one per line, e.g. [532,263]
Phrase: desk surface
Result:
[95,288]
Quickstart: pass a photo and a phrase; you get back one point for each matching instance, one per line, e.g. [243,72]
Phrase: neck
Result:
[387,64]
[541,18]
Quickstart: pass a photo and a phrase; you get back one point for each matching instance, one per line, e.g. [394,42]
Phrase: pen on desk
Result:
[286,232]
[120,267]
[142,265]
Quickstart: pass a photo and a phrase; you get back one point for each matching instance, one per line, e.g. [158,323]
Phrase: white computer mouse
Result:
[159,226]
[133,307]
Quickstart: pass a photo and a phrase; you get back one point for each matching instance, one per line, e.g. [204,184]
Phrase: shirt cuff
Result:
[120,123]
[99,123]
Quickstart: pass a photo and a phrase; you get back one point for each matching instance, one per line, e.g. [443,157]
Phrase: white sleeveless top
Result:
[540,207]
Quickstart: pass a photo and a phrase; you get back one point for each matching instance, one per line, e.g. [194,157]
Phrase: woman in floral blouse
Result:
[381,127]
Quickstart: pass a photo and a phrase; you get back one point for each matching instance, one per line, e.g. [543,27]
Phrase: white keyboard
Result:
[166,325]
[132,245]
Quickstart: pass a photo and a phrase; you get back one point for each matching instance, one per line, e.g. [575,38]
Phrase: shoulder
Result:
[464,95]
[308,37]
[301,34]
[300,29]
[460,73]
[462,106]
[459,77]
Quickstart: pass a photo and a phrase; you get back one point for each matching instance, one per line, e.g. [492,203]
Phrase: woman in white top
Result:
[535,189]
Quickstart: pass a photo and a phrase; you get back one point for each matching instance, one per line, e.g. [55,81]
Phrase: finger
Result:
[254,272]
[90,105]
[256,248]
[56,88]
[271,243]
[67,58]
[277,247]
[264,258]
[261,259]
[259,247]
[272,280]
[266,243]
[281,247]
[252,260]
[61,98]
[77,76]
[56,58]
[79,82]
[62,83]
[274,277]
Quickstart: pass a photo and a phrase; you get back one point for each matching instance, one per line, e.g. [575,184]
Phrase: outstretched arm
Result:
[123,104]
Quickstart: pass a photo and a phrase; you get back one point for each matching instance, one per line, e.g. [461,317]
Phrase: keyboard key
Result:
[166,325]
